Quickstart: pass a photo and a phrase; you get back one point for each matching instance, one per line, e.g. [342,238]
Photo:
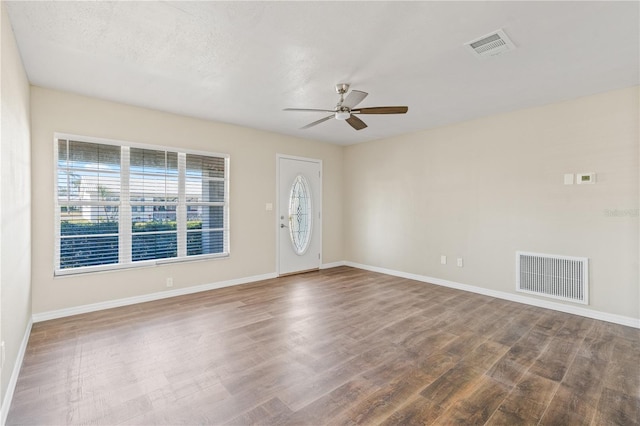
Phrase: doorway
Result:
[299,214]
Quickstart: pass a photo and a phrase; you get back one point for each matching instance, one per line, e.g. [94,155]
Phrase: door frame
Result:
[318,227]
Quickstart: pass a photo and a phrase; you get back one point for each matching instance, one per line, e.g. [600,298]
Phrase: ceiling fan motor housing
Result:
[342,88]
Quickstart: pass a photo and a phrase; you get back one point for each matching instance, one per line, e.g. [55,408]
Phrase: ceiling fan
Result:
[345,110]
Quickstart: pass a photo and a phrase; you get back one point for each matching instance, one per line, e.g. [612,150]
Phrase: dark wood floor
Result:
[339,346]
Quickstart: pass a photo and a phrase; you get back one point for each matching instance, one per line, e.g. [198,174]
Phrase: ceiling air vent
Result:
[491,44]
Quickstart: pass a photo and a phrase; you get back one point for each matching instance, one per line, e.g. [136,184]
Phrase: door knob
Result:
[282,225]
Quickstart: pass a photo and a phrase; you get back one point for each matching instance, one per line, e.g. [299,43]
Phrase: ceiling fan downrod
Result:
[342,113]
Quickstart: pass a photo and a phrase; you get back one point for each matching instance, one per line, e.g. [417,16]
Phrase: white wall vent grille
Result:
[558,277]
[491,44]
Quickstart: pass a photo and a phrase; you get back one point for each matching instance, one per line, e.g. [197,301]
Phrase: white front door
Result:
[299,214]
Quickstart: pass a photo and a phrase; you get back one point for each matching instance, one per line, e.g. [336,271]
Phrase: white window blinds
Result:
[121,206]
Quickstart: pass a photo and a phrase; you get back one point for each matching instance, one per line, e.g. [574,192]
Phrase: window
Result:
[300,215]
[122,206]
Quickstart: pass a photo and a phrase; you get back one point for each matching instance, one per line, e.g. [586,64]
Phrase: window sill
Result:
[142,264]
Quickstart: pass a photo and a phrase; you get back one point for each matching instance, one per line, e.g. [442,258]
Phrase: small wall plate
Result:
[568,179]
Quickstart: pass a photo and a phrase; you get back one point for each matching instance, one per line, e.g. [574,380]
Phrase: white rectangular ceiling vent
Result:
[491,44]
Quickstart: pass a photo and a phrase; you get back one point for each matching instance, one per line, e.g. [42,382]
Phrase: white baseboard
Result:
[576,310]
[8,396]
[332,264]
[83,309]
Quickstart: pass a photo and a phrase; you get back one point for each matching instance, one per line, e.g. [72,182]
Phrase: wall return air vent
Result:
[558,277]
[491,44]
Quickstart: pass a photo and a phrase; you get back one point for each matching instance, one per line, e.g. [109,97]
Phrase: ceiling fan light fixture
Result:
[345,109]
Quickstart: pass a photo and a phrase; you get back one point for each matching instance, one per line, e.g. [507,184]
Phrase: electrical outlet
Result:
[169,282]
[459,262]
[443,259]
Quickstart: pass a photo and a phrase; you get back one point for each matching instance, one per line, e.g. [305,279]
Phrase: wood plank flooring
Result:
[340,346]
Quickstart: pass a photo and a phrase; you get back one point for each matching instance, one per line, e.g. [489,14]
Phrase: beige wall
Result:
[485,188]
[252,182]
[479,190]
[15,204]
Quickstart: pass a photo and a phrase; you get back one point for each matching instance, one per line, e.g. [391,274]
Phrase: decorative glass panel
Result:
[300,215]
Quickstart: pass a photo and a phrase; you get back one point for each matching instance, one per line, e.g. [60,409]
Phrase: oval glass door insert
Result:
[300,215]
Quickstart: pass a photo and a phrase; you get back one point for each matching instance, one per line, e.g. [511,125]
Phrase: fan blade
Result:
[381,110]
[354,98]
[309,109]
[317,122]
[356,123]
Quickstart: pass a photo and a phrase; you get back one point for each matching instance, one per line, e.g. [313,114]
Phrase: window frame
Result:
[125,233]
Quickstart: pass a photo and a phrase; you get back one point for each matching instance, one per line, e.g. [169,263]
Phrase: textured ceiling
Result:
[243,62]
